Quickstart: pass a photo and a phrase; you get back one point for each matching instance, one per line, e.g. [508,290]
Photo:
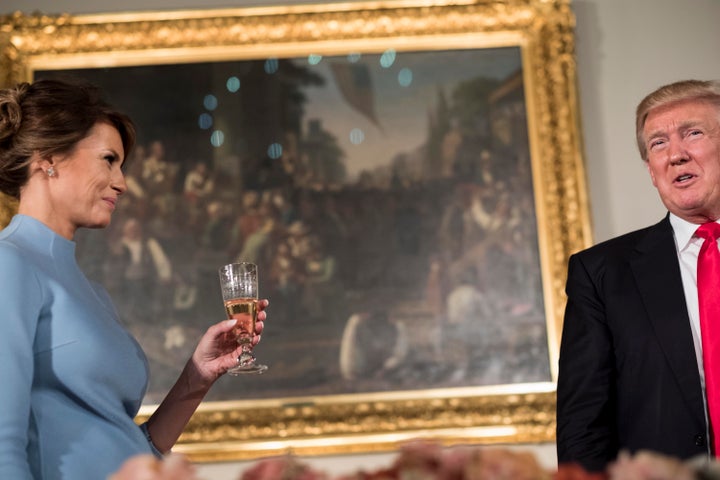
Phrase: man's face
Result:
[683,144]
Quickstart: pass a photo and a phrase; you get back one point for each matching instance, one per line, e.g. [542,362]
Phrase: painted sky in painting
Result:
[401,111]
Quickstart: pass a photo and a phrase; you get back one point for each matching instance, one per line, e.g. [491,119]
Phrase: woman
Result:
[73,379]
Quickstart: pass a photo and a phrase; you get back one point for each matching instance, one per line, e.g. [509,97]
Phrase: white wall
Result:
[625,48]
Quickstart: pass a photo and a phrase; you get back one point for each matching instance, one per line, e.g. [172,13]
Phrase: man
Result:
[631,367]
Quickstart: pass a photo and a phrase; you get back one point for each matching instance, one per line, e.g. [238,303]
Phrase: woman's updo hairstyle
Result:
[50,117]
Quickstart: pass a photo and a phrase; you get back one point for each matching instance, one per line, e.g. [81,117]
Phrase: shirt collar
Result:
[684,232]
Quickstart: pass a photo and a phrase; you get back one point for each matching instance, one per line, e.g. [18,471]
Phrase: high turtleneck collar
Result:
[39,237]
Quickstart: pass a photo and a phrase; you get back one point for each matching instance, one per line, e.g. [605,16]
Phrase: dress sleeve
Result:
[146,432]
[21,300]
[586,403]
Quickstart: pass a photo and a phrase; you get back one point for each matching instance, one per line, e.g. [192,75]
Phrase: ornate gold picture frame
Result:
[538,32]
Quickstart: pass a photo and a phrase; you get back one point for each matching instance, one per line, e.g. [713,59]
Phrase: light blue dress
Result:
[71,377]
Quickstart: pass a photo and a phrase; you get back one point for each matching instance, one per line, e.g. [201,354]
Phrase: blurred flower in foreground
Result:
[573,471]
[425,460]
[649,466]
[430,461]
[282,468]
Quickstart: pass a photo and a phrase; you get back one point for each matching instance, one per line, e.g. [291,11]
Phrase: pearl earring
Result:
[51,172]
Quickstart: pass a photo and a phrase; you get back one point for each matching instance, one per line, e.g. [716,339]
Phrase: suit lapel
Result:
[658,279]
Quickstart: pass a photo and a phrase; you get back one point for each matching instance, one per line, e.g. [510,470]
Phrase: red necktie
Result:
[708,282]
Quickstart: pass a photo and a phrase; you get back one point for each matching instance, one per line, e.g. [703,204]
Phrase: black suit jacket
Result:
[628,375]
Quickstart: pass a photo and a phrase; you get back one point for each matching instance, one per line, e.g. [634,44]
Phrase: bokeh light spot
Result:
[217,138]
[387,58]
[274,151]
[405,77]
[357,136]
[210,102]
[271,65]
[233,84]
[205,121]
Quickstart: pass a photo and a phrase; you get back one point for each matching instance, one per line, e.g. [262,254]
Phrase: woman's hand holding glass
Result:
[218,350]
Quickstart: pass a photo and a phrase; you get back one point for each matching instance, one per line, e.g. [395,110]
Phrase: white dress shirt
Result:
[688,248]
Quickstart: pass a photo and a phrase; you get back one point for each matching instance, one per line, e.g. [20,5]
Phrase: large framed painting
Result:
[407,176]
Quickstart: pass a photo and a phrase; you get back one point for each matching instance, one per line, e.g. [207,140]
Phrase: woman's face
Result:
[88,181]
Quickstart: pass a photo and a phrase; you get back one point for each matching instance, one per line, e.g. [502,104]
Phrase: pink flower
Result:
[424,460]
[419,460]
[573,471]
[649,466]
[282,468]
[383,474]
[503,464]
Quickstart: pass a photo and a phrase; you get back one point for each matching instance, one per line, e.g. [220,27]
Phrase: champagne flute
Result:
[239,286]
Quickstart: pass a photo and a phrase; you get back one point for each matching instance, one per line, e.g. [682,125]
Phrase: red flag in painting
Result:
[354,82]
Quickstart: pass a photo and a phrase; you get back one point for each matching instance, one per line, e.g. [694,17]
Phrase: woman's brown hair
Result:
[50,117]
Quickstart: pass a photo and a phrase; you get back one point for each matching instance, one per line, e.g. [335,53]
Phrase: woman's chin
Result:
[98,223]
